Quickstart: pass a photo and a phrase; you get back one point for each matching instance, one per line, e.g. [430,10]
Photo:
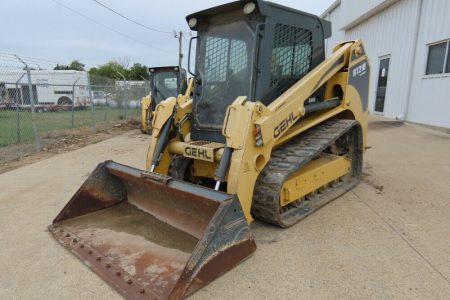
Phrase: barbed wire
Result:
[35,63]
[11,65]
[27,57]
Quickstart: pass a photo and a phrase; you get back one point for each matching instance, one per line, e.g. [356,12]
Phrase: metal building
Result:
[408,45]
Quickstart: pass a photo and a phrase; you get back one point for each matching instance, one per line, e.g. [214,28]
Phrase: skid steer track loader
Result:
[165,82]
[274,131]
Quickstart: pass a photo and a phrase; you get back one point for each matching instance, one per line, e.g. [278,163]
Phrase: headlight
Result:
[249,8]
[192,22]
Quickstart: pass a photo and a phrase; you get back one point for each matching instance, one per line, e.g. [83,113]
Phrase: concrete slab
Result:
[388,238]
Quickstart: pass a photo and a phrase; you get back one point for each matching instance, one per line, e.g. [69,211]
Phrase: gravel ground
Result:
[388,238]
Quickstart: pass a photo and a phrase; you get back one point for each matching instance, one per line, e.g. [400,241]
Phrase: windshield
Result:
[225,68]
[165,85]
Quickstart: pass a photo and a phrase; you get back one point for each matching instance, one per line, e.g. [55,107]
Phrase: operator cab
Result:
[166,82]
[248,48]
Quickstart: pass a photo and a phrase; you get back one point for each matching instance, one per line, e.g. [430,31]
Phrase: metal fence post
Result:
[73,100]
[92,103]
[139,111]
[17,114]
[37,141]
[18,96]
[145,84]
[126,99]
[126,92]
[107,104]
[33,112]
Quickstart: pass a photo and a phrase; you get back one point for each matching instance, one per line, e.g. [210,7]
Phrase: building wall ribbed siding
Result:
[354,9]
[391,31]
[430,95]
[336,17]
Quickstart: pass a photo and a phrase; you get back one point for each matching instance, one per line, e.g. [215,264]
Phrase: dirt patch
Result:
[378,125]
[61,141]
[367,178]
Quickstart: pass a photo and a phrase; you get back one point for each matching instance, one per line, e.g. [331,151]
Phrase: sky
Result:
[47,30]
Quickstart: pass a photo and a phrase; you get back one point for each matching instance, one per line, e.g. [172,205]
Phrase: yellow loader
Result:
[273,132]
[165,82]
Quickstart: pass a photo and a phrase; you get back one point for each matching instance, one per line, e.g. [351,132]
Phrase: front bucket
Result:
[151,236]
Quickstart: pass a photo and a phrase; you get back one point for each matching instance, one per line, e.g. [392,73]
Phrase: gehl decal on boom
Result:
[285,124]
[199,153]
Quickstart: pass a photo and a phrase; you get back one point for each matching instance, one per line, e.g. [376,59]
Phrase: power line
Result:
[131,20]
[105,26]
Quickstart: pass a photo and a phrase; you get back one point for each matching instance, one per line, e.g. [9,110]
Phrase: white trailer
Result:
[50,88]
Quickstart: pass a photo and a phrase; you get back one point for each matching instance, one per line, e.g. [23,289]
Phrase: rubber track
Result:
[284,161]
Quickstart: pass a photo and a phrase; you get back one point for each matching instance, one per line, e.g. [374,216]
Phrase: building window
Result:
[447,67]
[438,58]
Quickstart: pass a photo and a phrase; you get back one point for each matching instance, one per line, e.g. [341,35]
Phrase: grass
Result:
[50,121]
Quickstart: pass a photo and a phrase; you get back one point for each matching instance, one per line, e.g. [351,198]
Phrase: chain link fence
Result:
[37,101]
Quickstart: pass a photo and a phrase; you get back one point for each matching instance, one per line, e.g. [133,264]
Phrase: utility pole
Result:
[180,58]
[180,49]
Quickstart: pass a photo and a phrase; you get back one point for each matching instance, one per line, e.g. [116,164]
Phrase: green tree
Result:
[75,65]
[115,69]
[110,70]
[61,67]
[138,72]
[107,73]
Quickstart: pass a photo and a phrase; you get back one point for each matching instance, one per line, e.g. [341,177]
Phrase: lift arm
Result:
[285,111]
[254,130]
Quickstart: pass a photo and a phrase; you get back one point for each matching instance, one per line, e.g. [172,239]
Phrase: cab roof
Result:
[265,8]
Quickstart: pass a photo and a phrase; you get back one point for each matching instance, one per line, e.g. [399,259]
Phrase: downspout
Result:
[404,115]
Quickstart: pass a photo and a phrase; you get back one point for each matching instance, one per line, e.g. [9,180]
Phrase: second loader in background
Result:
[165,82]
[273,131]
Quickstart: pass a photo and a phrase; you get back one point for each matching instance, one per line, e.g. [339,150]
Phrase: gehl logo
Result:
[197,153]
[285,124]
